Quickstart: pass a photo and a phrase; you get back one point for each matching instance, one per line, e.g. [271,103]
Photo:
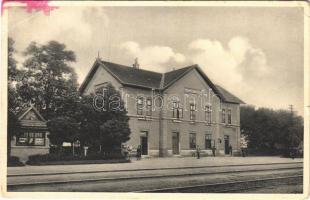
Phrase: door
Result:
[144,146]
[226,139]
[175,143]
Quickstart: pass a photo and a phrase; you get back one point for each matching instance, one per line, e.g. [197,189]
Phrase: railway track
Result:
[169,173]
[232,186]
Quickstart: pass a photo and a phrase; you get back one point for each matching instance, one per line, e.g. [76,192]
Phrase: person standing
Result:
[198,152]
[125,151]
[230,150]
[242,152]
[243,145]
[129,149]
[213,151]
[139,152]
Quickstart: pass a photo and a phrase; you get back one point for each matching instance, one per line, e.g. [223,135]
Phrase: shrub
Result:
[104,156]
[39,158]
[49,157]
[14,161]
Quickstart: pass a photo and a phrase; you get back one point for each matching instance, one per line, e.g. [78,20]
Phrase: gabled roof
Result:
[229,97]
[152,80]
[172,76]
[20,115]
[132,76]
[125,75]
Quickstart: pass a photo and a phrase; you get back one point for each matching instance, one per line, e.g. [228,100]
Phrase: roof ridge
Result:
[130,67]
[181,68]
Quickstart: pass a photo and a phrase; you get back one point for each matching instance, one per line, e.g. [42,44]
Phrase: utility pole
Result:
[291,137]
[291,108]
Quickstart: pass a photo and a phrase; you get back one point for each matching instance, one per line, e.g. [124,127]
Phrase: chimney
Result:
[136,64]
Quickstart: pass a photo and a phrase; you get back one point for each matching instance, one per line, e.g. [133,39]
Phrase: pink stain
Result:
[41,5]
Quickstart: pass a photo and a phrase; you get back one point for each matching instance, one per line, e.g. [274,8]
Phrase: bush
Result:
[45,158]
[264,152]
[104,156]
[14,161]
[293,153]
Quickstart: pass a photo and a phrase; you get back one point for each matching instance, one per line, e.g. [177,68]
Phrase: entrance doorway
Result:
[175,143]
[226,143]
[144,144]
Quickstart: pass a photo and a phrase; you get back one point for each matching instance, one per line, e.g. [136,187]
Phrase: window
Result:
[208,116]
[192,111]
[101,90]
[149,107]
[229,116]
[101,98]
[31,139]
[139,105]
[192,140]
[223,116]
[208,140]
[177,111]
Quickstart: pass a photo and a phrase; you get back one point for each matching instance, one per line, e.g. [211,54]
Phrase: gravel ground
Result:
[291,188]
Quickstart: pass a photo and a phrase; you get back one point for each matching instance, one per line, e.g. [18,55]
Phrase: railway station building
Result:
[171,113]
[33,136]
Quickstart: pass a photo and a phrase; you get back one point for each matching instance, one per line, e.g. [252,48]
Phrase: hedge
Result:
[14,161]
[55,158]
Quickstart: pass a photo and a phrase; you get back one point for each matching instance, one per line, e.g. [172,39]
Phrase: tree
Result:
[270,130]
[103,129]
[14,74]
[12,63]
[12,130]
[63,129]
[113,133]
[49,78]
[13,97]
[98,129]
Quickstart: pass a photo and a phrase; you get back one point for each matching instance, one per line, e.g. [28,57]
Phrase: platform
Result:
[152,163]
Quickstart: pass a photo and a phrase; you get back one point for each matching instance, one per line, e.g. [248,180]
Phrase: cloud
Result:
[238,47]
[218,63]
[60,24]
[239,67]
[152,56]
[76,28]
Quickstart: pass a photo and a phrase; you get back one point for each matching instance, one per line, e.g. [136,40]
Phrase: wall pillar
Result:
[163,128]
[163,150]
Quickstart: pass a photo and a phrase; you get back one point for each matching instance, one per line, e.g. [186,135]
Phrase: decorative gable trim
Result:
[35,111]
[89,76]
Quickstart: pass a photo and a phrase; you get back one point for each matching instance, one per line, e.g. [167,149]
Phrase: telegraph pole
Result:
[291,108]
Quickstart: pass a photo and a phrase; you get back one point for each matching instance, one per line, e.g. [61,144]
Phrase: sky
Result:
[254,52]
